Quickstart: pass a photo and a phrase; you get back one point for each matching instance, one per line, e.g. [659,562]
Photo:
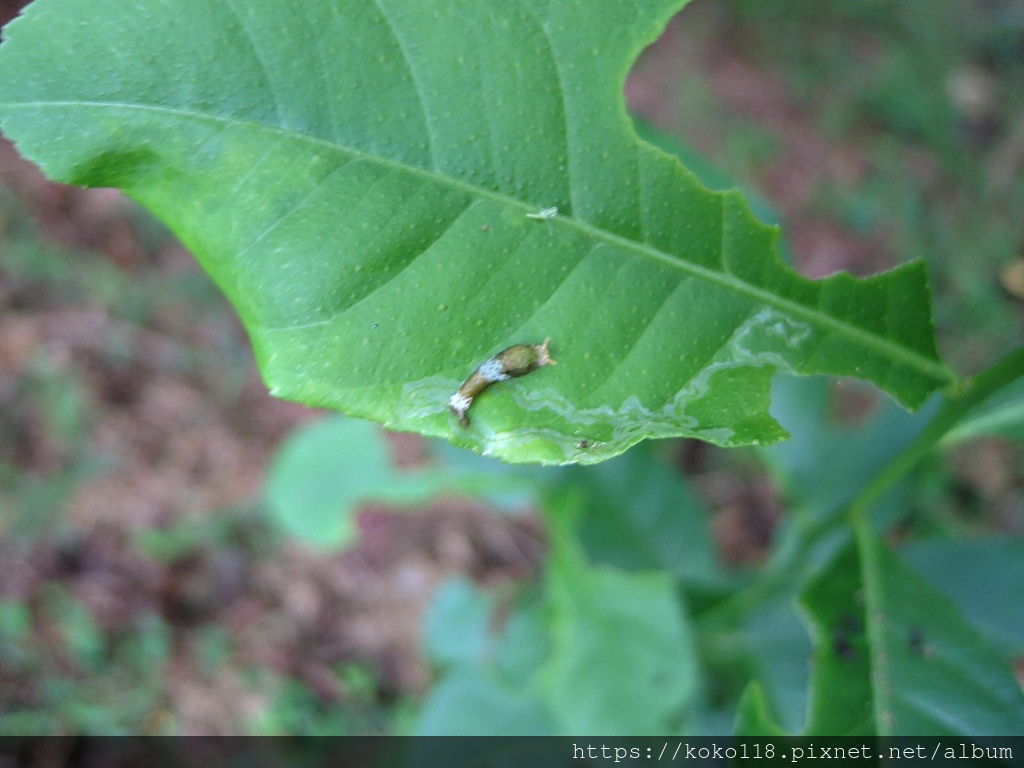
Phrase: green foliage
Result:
[487,686]
[321,475]
[359,179]
[927,98]
[1001,415]
[91,681]
[640,518]
[622,660]
[891,655]
[296,710]
[984,578]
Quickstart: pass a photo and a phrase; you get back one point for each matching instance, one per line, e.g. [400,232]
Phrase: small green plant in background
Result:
[363,180]
[71,695]
[637,628]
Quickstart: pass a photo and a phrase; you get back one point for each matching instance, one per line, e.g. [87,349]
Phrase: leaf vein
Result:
[415,80]
[917,361]
[230,5]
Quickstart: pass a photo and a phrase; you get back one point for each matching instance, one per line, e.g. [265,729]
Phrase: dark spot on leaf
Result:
[842,647]
[915,641]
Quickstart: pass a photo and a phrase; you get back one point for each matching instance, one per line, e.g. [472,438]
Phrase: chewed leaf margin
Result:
[363,180]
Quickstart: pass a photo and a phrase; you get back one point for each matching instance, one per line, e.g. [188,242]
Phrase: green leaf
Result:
[358,177]
[641,515]
[709,175]
[932,672]
[472,702]
[487,687]
[326,469]
[321,474]
[525,642]
[984,577]
[623,660]
[456,628]
[779,647]
[1002,415]
[460,628]
[893,657]
[840,696]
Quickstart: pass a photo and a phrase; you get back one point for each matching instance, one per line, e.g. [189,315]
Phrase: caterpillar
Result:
[510,363]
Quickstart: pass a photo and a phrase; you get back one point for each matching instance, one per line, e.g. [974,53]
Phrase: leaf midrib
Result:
[910,358]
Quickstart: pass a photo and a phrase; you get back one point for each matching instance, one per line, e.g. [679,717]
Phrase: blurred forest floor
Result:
[142,588]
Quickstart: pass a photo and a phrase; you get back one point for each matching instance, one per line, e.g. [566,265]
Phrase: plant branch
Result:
[964,396]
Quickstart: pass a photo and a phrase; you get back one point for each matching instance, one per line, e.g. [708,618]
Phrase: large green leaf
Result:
[932,672]
[623,660]
[358,176]
[1001,415]
[639,514]
[984,577]
[826,463]
[326,469]
[489,655]
[474,702]
[893,657]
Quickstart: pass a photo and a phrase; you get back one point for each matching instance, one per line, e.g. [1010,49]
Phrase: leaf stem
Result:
[962,398]
[964,395]
[920,362]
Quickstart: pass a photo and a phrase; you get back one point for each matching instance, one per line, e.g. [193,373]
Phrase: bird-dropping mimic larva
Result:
[507,364]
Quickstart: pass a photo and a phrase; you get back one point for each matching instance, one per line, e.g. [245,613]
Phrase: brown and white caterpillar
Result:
[510,363]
